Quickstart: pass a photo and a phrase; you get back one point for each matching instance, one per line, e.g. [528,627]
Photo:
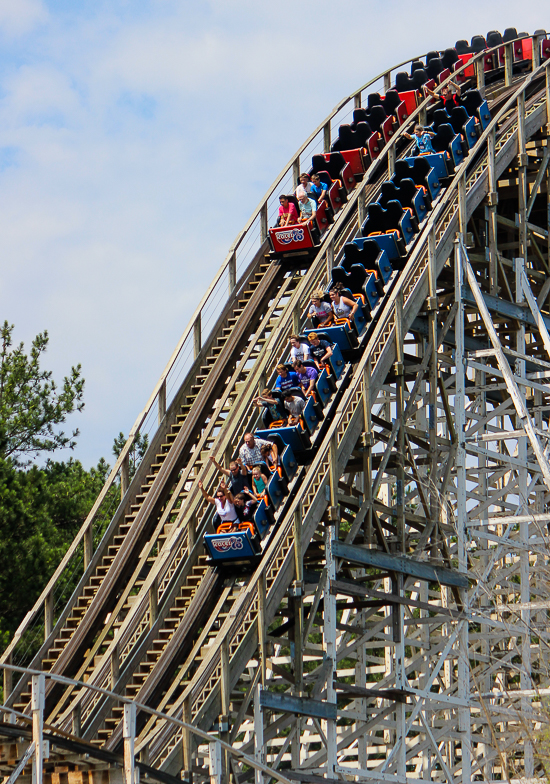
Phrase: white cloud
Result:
[18,17]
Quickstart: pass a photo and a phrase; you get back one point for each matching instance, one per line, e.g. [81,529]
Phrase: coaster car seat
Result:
[434,68]
[403,82]
[407,194]
[494,38]
[450,57]
[471,100]
[464,124]
[421,173]
[394,105]
[337,167]
[478,43]
[441,116]
[374,99]
[419,78]
[383,220]
[449,142]
[463,47]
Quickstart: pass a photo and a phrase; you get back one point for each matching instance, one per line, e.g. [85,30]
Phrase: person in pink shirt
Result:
[288,213]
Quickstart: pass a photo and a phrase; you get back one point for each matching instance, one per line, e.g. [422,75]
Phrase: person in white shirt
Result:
[299,349]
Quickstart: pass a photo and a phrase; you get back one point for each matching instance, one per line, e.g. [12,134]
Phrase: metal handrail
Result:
[208,737]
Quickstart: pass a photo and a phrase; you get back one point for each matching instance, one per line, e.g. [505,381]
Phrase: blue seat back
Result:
[470,132]
[371,292]
[288,462]
[457,153]
[359,317]
[384,266]
[293,436]
[437,162]
[406,227]
[275,490]
[384,241]
[230,547]
[336,362]
[310,415]
[419,205]
[484,114]
[323,388]
[261,520]
[338,335]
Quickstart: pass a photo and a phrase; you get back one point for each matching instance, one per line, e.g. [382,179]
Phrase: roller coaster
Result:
[385,615]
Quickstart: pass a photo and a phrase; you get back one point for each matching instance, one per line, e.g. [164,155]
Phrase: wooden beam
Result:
[396,563]
[301,706]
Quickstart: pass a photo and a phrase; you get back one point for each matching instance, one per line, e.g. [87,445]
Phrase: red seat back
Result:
[410,100]
[470,70]
[374,145]
[526,48]
[322,216]
[355,159]
[387,128]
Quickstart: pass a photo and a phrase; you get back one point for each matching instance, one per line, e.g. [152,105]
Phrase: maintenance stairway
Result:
[147,617]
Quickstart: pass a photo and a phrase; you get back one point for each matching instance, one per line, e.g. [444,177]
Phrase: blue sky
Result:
[136,137]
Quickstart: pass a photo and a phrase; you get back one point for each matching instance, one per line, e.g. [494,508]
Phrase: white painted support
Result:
[131,773]
[326,137]
[400,676]
[508,376]
[232,273]
[215,762]
[197,337]
[296,173]
[538,180]
[329,640]
[537,315]
[38,697]
[508,63]
[259,752]
[88,541]
[525,593]
[480,75]
[161,404]
[124,476]
[263,223]
[48,615]
[330,259]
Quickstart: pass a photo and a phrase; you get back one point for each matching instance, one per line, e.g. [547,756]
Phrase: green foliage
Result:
[139,447]
[41,510]
[31,405]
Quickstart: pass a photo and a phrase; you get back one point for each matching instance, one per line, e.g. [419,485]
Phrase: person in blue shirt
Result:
[307,206]
[423,140]
[318,189]
[286,379]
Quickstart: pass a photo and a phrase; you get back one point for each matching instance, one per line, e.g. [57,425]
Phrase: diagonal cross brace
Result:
[506,371]
[535,310]
[22,762]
